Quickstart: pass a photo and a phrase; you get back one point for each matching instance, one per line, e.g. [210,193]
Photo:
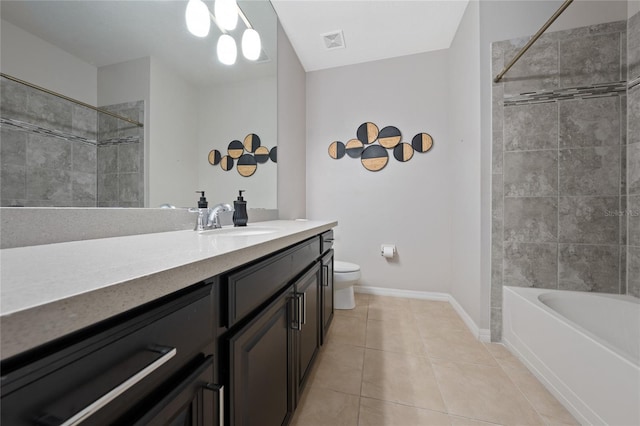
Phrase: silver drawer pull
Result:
[220,390]
[99,403]
[304,308]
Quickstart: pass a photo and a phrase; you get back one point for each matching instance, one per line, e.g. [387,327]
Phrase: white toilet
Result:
[345,275]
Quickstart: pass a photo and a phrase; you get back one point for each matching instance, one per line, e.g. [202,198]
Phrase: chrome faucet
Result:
[213,217]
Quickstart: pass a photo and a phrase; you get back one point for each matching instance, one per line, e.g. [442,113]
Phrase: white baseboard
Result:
[482,334]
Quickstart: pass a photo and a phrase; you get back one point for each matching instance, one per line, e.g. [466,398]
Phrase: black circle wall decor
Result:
[389,137]
[214,157]
[247,165]
[251,142]
[354,148]
[422,142]
[367,133]
[273,154]
[403,152]
[235,149]
[337,150]
[374,158]
[226,163]
[261,154]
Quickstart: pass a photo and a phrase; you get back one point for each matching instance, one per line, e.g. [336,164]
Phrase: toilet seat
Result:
[341,267]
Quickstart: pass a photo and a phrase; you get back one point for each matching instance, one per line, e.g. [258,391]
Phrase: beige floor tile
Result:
[360,311]
[503,356]
[339,367]
[362,298]
[401,378]
[458,345]
[374,412]
[389,303]
[430,306]
[430,323]
[483,393]
[347,330]
[547,406]
[324,407]
[463,421]
[394,337]
[401,316]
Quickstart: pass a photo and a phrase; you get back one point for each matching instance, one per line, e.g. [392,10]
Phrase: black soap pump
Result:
[202,212]
[240,217]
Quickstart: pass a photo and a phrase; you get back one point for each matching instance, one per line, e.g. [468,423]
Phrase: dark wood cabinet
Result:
[261,371]
[307,332]
[326,300]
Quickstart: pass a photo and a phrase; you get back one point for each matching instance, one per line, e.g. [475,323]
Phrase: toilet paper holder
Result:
[388,250]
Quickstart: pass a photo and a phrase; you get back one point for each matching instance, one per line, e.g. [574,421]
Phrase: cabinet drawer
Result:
[136,356]
[326,241]
[254,285]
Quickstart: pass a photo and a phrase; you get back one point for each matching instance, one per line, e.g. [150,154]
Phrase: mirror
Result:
[138,59]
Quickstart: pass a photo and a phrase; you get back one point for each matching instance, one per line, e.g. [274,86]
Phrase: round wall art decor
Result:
[226,163]
[375,156]
[247,165]
[245,155]
[251,142]
[273,154]
[235,149]
[262,154]
[214,157]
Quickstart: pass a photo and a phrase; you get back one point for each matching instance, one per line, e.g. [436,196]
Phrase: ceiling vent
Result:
[333,40]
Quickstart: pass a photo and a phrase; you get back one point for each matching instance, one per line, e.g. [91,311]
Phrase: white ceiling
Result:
[373,29]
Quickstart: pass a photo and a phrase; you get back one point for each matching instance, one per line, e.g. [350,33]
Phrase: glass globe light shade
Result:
[226,12]
[227,50]
[251,44]
[197,17]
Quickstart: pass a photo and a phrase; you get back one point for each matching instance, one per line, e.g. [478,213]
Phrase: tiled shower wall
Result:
[633,158]
[56,153]
[559,164]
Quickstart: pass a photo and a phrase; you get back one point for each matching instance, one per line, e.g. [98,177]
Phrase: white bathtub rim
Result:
[538,304]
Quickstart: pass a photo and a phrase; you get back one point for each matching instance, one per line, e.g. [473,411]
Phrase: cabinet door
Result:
[327,294]
[261,367]
[307,335]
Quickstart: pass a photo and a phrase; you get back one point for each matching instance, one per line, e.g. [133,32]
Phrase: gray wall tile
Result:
[496,324]
[84,187]
[633,46]
[591,30]
[536,70]
[107,189]
[589,122]
[623,213]
[589,220]
[531,127]
[590,60]
[85,158]
[589,268]
[531,173]
[128,187]
[13,147]
[633,271]
[623,119]
[14,182]
[84,122]
[531,265]
[633,115]
[49,111]
[496,239]
[496,153]
[128,157]
[590,171]
[531,219]
[48,152]
[633,168]
[633,220]
[13,100]
[49,184]
[623,269]
[107,159]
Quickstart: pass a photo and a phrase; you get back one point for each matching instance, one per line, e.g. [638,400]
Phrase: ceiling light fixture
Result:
[226,15]
[197,17]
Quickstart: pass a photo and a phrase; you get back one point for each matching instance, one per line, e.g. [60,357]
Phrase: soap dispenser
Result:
[203,206]
[240,217]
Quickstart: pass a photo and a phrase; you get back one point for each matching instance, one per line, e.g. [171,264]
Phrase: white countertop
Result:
[51,290]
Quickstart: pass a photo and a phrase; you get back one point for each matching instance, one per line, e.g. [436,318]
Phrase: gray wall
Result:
[633,157]
[558,165]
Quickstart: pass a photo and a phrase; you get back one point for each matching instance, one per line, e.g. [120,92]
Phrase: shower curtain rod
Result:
[75,101]
[535,37]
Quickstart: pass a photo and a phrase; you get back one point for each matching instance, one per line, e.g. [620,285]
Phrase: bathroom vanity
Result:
[220,327]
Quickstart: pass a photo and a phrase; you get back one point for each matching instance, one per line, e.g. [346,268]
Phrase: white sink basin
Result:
[240,231]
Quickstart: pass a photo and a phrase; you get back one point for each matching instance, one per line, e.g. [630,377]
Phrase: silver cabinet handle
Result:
[92,408]
[304,308]
[297,322]
[325,275]
[220,390]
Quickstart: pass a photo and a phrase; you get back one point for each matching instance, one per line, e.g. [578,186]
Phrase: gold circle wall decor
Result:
[367,133]
[337,150]
[235,149]
[251,142]
[247,165]
[261,154]
[403,152]
[389,137]
[374,158]
[226,163]
[422,142]
[214,157]
[354,148]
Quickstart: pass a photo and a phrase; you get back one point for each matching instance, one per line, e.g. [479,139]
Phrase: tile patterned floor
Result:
[407,362]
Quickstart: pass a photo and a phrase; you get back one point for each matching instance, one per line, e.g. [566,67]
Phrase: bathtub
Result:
[584,347]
